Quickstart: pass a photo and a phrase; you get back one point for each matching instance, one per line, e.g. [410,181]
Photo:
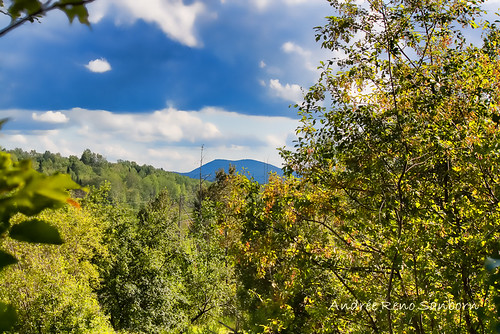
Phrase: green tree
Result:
[275,249]
[142,287]
[398,151]
[130,183]
[52,287]
[23,191]
[213,271]
[161,277]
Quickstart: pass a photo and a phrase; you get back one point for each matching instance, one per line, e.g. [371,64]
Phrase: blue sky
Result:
[153,80]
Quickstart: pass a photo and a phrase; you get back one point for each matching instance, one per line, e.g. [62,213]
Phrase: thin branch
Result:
[351,291]
[427,43]
[42,11]
[231,329]
[338,236]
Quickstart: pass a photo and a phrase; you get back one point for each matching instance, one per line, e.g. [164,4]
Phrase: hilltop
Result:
[257,170]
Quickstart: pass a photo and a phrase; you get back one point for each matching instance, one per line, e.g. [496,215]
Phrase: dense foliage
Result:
[161,277]
[406,159]
[52,287]
[119,269]
[24,194]
[131,183]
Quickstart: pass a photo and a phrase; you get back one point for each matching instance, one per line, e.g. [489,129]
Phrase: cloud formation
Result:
[306,55]
[100,65]
[263,4]
[287,92]
[50,117]
[169,125]
[173,17]
[290,47]
[168,138]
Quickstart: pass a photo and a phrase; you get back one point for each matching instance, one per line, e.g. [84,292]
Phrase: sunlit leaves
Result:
[25,191]
[409,150]
[52,287]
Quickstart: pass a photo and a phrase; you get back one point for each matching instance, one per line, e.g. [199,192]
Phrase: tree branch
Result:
[42,11]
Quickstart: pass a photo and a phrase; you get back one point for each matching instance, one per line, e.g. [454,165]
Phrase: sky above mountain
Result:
[154,80]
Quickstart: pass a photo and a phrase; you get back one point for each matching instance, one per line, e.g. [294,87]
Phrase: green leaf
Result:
[42,192]
[8,317]
[72,11]
[28,6]
[53,187]
[36,231]
[6,259]
[491,263]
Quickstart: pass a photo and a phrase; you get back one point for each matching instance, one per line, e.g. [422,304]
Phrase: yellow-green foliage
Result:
[52,285]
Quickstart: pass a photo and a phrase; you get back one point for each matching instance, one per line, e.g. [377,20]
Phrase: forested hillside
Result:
[130,183]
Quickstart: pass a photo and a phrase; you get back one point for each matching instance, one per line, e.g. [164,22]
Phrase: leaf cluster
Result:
[27,192]
[22,11]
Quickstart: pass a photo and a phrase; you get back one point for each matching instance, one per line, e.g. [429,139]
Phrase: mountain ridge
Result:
[253,168]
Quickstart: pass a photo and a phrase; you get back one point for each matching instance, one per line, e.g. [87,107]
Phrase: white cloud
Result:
[48,140]
[287,92]
[264,4]
[19,139]
[100,65]
[173,17]
[290,47]
[168,125]
[50,117]
[262,64]
[274,140]
[169,153]
[306,55]
[261,4]
[168,138]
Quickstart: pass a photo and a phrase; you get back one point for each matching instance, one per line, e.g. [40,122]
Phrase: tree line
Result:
[130,183]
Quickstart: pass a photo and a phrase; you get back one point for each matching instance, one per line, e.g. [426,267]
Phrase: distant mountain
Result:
[253,168]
